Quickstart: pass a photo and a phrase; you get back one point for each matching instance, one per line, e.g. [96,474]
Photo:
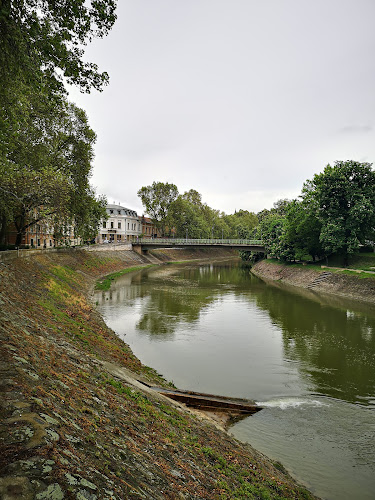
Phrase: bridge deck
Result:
[183,242]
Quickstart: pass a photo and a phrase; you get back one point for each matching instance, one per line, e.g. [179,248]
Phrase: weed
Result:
[105,283]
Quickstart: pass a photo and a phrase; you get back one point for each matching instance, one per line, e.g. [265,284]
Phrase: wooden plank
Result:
[210,402]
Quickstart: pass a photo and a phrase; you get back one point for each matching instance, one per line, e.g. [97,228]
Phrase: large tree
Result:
[186,219]
[273,230]
[42,136]
[46,171]
[31,197]
[47,37]
[302,230]
[344,201]
[41,46]
[157,200]
[48,179]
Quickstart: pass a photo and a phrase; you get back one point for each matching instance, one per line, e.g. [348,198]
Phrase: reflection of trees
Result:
[333,344]
[169,307]
[335,347]
[180,296]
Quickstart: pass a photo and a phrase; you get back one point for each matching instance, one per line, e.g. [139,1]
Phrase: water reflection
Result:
[330,341]
[335,346]
[217,328]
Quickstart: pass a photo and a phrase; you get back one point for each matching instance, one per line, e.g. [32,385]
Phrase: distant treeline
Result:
[335,213]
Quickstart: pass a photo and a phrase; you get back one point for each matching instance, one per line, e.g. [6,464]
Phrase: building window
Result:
[104,236]
[119,225]
[111,211]
[119,212]
[104,225]
[50,243]
[32,242]
[128,225]
[111,225]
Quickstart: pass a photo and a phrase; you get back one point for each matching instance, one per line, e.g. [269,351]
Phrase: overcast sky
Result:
[242,100]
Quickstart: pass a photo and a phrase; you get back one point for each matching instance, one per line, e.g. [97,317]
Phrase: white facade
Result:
[123,224]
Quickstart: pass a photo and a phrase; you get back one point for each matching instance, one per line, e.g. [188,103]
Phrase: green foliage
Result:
[251,257]
[241,224]
[157,200]
[45,173]
[188,219]
[343,197]
[105,283]
[45,39]
[274,235]
[186,214]
[30,196]
[302,231]
[42,135]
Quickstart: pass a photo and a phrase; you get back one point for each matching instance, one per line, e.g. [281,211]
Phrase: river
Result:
[308,359]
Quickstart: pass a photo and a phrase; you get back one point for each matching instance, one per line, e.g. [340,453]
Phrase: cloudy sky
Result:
[242,100]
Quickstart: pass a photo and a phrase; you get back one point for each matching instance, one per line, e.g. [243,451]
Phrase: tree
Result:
[43,138]
[41,46]
[242,223]
[46,172]
[302,231]
[187,219]
[344,200]
[157,200]
[46,38]
[273,231]
[32,197]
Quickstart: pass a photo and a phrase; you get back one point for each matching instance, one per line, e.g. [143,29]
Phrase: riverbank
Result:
[76,422]
[333,281]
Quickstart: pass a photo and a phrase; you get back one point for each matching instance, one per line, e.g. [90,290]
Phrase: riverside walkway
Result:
[145,244]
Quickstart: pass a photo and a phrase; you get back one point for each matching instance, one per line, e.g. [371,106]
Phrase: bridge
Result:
[145,244]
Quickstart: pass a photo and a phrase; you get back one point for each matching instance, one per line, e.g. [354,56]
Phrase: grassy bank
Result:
[105,282]
[76,422]
[359,268]
[356,282]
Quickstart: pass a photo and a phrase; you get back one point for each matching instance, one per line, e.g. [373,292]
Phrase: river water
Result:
[308,359]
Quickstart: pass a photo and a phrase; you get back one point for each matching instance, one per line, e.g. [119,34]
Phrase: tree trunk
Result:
[19,222]
[346,259]
[19,238]
[3,226]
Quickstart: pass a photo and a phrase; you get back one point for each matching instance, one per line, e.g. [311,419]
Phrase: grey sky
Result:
[242,100]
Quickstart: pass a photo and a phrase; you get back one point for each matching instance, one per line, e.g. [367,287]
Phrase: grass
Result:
[113,427]
[361,262]
[105,283]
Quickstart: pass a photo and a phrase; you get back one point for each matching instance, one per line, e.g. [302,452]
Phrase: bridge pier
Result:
[138,249]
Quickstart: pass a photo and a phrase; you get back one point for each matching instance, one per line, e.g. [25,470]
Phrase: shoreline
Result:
[317,281]
[75,421]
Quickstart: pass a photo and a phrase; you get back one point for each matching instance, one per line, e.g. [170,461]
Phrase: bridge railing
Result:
[187,241]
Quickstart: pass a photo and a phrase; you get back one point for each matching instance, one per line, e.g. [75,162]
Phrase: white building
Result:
[123,224]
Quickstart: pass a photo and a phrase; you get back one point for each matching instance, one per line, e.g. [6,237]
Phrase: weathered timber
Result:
[210,402]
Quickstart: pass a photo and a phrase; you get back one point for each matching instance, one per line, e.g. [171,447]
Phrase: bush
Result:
[7,247]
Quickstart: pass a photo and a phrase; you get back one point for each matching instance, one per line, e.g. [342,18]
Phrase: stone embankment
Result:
[321,280]
[75,421]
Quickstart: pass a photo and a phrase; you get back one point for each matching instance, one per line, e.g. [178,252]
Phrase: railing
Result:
[186,241]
